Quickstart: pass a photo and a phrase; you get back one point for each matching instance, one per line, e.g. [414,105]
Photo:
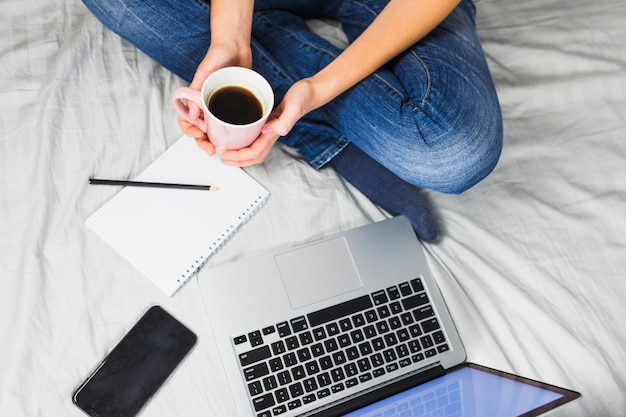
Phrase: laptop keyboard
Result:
[331,351]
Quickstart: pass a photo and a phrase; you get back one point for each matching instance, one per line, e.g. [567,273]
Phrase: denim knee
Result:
[457,159]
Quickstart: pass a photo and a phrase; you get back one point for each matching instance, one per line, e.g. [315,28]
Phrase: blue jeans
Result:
[431,115]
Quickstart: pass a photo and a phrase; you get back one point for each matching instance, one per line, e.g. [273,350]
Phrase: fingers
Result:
[195,132]
[253,154]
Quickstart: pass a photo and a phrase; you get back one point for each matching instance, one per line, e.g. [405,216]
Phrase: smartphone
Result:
[136,367]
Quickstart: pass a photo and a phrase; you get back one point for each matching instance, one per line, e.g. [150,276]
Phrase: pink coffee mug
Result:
[225,135]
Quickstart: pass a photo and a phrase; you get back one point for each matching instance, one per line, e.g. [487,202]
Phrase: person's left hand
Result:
[297,102]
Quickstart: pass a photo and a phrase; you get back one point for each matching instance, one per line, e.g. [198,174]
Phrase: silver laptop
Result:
[352,324]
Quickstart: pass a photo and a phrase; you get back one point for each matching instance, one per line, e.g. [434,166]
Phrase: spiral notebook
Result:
[168,234]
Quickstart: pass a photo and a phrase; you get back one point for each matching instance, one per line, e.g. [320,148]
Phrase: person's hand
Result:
[298,101]
[218,56]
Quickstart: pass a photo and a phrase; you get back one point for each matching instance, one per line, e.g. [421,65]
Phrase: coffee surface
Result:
[235,105]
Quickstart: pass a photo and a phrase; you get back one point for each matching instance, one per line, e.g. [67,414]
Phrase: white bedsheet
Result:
[532,261]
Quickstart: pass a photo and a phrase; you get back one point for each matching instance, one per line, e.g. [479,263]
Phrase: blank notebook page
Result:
[168,234]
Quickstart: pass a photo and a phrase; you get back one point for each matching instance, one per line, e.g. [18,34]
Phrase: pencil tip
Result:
[213,188]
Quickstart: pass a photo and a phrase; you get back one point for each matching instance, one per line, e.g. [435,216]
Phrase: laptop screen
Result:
[471,391]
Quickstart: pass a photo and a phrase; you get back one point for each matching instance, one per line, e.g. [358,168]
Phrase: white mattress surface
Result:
[532,261]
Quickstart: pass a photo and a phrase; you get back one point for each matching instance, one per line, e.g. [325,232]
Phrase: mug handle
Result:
[186,93]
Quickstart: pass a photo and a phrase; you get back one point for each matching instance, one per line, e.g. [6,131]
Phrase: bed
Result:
[532,261]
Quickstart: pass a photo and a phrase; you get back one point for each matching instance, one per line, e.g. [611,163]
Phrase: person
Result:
[408,104]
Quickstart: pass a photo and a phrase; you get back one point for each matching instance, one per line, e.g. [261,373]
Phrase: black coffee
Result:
[235,105]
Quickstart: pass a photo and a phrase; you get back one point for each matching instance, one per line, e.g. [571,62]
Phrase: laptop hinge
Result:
[378,392]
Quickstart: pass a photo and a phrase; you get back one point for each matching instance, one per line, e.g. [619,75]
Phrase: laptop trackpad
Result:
[317,272]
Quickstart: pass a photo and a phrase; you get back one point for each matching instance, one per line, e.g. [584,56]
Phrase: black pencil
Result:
[96,181]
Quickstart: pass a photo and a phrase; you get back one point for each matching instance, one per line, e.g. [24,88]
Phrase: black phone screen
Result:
[138,365]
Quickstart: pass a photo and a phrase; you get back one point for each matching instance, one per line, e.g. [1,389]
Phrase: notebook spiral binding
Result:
[216,245]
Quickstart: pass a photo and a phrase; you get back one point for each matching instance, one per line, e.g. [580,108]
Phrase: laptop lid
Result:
[471,390]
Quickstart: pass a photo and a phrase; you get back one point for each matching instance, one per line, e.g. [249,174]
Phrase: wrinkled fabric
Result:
[530,261]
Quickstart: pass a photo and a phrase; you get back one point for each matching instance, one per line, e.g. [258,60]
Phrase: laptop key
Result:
[371,316]
[278,347]
[317,350]
[270,383]
[283,329]
[391,367]
[438,337]
[430,325]
[326,362]
[290,359]
[294,404]
[263,402]
[345,324]
[405,289]
[306,338]
[307,399]
[253,356]
[396,307]
[351,369]
[299,324]
[337,374]
[323,393]
[331,345]
[282,395]
[365,377]
[393,293]
[417,285]
[358,320]
[369,331]
[309,385]
[283,377]
[339,358]
[415,301]
[292,343]
[379,297]
[255,388]
[324,379]
[332,329]
[443,348]
[281,409]
[337,388]
[423,313]
[276,364]
[377,360]
[319,333]
[298,372]
[296,390]
[340,310]
[312,368]
[256,371]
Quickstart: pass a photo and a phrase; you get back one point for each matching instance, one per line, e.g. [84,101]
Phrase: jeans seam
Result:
[329,152]
[429,81]
[293,35]
[269,59]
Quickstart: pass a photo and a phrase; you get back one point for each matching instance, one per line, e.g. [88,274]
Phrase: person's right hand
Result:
[218,56]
